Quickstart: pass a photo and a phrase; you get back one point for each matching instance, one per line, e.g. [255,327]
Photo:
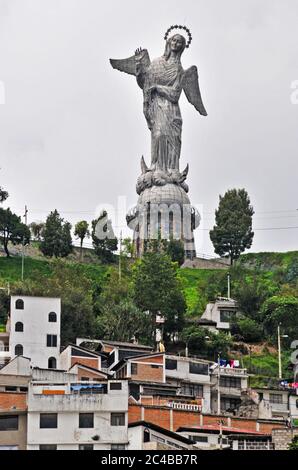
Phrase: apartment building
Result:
[35,330]
[191,376]
[228,386]
[78,415]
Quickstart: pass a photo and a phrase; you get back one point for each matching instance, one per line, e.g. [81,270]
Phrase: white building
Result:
[78,416]
[35,330]
[218,315]
[192,376]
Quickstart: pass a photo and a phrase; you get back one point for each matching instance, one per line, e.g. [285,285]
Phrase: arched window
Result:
[52,317]
[19,350]
[52,363]
[20,304]
[19,326]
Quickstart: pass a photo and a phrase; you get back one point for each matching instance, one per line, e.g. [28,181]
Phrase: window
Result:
[85,379]
[48,447]
[154,366]
[19,304]
[48,420]
[275,398]
[134,368]
[9,388]
[198,438]
[51,341]
[230,382]
[86,420]
[19,326]
[9,423]
[52,317]
[86,447]
[117,419]
[195,390]
[19,350]
[296,403]
[198,368]
[171,364]
[118,447]
[115,386]
[229,404]
[226,316]
[52,363]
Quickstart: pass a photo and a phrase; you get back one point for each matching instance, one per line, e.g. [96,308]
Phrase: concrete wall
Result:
[16,438]
[34,317]
[282,438]
[68,407]
[182,371]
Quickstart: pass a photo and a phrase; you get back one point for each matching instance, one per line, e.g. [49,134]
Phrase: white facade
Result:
[184,374]
[221,312]
[38,338]
[68,435]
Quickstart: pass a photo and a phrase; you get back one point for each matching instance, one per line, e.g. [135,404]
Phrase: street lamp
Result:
[279,336]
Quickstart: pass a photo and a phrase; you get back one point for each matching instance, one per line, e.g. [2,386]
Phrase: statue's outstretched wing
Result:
[190,85]
[125,65]
[131,65]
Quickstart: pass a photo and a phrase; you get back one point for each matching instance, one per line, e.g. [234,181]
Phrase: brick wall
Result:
[91,362]
[13,401]
[148,373]
[172,419]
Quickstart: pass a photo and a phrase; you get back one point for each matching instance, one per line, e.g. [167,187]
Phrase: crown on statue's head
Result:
[176,26]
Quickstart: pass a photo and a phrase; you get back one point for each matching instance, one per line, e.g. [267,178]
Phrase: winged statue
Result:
[162,81]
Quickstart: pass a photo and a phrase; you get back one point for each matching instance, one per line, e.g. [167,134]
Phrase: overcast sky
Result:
[72,130]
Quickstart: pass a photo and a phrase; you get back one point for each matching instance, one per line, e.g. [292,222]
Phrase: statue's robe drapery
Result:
[161,108]
[162,112]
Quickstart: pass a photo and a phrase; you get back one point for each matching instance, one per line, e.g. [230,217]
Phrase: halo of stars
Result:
[176,26]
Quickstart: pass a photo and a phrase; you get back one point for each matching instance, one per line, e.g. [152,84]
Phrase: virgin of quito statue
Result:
[163,209]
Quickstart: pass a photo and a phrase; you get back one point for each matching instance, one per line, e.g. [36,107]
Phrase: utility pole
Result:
[218,385]
[23,247]
[120,253]
[279,352]
[279,336]
[229,285]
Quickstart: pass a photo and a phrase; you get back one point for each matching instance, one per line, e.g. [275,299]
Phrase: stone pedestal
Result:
[164,211]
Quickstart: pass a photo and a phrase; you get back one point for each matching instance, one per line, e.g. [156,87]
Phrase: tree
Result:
[122,321]
[12,230]
[103,238]
[294,444]
[233,233]
[157,289]
[82,231]
[3,194]
[248,329]
[281,310]
[175,250]
[56,236]
[36,229]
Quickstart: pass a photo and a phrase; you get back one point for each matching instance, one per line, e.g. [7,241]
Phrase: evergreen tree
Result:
[103,238]
[12,230]
[56,237]
[157,289]
[233,233]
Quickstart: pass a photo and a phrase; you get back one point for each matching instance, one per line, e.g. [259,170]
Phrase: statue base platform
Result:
[164,212]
